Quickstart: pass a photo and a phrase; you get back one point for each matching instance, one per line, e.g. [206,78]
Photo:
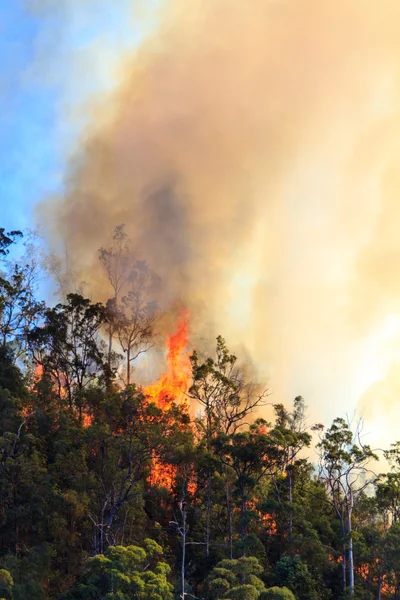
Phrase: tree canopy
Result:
[197,486]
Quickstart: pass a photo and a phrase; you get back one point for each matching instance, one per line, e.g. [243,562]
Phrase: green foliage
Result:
[293,573]
[7,239]
[6,583]
[19,310]
[243,592]
[30,572]
[277,593]
[230,578]
[125,573]
[81,516]
[69,347]
[218,587]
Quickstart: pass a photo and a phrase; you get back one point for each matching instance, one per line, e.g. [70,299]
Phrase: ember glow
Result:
[174,383]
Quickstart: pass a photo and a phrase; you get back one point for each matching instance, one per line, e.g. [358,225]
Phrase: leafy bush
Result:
[243,592]
[235,579]
[277,593]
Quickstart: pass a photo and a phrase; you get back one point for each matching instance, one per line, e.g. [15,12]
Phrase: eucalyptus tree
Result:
[126,435]
[20,310]
[136,314]
[344,468]
[227,401]
[294,438]
[252,455]
[69,347]
[7,239]
[132,309]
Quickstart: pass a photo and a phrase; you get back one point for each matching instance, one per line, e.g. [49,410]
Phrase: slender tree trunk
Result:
[243,520]
[208,505]
[183,512]
[95,540]
[208,515]
[110,338]
[351,565]
[128,365]
[229,512]
[16,545]
[350,546]
[101,533]
[123,528]
[101,538]
[379,596]
[291,506]
[344,577]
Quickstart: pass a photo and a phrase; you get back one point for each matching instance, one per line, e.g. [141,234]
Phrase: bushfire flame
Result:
[174,383]
[171,387]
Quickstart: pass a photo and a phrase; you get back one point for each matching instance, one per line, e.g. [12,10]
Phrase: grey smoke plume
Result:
[252,150]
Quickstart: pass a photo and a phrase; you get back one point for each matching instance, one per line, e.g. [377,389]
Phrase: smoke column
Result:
[252,150]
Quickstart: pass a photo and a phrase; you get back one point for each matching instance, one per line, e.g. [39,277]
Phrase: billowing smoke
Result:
[252,150]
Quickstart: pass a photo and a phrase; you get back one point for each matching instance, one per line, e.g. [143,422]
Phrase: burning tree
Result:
[125,437]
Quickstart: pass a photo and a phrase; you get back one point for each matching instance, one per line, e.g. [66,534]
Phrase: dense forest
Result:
[178,489]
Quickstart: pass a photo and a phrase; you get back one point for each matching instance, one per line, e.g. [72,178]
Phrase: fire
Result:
[162,474]
[36,377]
[174,383]
[268,520]
[171,387]
[87,420]
[38,374]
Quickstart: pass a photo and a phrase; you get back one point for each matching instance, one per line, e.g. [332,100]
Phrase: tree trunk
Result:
[379,597]
[110,337]
[183,511]
[351,565]
[291,506]
[208,506]
[229,512]
[101,538]
[344,578]
[350,557]
[128,365]
[208,515]
[243,520]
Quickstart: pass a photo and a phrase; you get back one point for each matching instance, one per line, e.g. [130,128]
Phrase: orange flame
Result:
[38,374]
[87,420]
[172,385]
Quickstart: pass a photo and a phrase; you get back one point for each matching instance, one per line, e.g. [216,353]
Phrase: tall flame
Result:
[171,387]
[174,383]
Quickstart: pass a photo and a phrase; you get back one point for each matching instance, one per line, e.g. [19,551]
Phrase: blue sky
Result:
[54,56]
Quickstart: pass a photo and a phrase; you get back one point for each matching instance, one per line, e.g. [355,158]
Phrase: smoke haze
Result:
[252,150]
